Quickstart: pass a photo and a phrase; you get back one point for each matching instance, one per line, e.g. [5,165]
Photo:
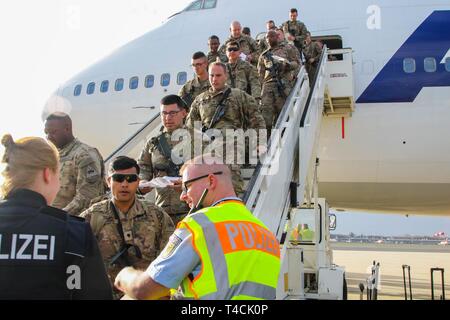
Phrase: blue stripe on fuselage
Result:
[392,84]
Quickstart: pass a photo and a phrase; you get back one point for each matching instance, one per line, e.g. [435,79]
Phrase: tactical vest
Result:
[240,257]
[39,251]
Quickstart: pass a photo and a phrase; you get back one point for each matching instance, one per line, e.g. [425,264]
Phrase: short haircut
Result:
[308,33]
[123,163]
[293,10]
[271,21]
[58,116]
[174,99]
[198,55]
[233,44]
[220,64]
[246,30]
[214,37]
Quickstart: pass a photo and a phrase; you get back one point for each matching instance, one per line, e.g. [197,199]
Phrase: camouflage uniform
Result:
[145,226]
[81,177]
[192,89]
[242,75]
[242,112]
[212,57]
[154,164]
[294,55]
[272,96]
[247,45]
[312,51]
[263,45]
[298,30]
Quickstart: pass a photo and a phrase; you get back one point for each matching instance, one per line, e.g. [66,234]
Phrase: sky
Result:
[46,42]
[390,224]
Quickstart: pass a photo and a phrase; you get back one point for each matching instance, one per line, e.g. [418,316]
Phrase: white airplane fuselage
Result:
[395,153]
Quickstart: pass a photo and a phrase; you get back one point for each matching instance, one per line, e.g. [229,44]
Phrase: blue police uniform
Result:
[178,259]
[47,254]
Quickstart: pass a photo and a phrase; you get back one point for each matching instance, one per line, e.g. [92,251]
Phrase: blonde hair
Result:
[24,158]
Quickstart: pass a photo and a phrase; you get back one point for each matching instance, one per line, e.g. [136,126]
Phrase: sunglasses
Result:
[185,184]
[232,49]
[118,177]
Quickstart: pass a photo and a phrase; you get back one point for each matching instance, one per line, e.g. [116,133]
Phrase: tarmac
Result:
[357,258]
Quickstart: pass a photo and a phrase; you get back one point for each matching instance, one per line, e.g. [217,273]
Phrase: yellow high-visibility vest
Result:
[307,235]
[240,257]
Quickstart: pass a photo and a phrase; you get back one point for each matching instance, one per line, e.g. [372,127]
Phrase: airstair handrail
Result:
[283,112]
[286,106]
[310,131]
[268,192]
[322,61]
[121,149]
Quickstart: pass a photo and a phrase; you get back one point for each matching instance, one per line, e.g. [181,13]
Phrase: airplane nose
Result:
[56,103]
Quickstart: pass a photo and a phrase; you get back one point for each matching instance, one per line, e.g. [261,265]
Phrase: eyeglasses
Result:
[118,177]
[232,49]
[170,113]
[185,184]
[198,64]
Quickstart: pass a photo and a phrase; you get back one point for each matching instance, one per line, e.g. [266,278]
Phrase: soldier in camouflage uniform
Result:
[130,231]
[248,46]
[275,68]
[200,83]
[296,30]
[312,52]
[242,112]
[293,54]
[241,74]
[262,43]
[81,166]
[214,53]
[155,163]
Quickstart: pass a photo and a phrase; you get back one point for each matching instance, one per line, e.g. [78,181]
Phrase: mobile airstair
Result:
[283,187]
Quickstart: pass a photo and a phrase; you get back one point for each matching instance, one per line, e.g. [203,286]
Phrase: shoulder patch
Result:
[92,173]
[174,242]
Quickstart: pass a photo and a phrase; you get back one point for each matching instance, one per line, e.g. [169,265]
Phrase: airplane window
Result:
[430,64]
[134,83]
[104,86]
[409,65]
[165,79]
[119,85]
[447,64]
[209,4]
[196,5]
[77,90]
[181,78]
[90,88]
[149,81]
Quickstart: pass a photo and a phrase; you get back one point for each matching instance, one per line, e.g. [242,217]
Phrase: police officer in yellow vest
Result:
[220,252]
[306,233]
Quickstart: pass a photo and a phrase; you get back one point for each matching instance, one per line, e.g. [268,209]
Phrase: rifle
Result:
[122,256]
[274,72]
[163,146]
[188,99]
[220,111]
[232,78]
